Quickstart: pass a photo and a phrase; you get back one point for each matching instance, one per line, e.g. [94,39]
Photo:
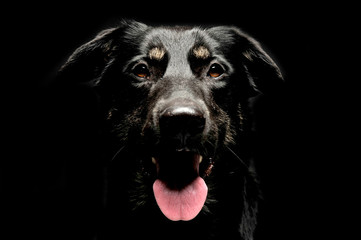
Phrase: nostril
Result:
[182,118]
[181,125]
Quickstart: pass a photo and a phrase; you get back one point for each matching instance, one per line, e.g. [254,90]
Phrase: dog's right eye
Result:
[141,71]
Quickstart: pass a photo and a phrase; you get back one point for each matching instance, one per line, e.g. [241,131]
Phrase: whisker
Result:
[236,156]
[117,153]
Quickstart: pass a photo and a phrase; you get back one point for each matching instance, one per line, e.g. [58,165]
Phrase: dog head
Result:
[175,97]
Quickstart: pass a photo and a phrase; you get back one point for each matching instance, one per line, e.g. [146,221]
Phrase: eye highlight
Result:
[141,70]
[216,70]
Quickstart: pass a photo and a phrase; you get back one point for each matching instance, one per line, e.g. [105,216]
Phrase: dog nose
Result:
[182,126]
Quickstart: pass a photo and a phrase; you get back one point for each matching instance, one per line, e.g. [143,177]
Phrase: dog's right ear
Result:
[87,62]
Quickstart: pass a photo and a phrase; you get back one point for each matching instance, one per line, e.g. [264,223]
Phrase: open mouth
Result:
[179,190]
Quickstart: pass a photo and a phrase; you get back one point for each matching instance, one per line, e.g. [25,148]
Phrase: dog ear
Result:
[87,62]
[263,73]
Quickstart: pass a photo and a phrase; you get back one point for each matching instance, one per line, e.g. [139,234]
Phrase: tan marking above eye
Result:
[156,53]
[201,52]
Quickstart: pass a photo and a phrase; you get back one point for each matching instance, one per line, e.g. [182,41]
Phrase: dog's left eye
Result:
[215,70]
[141,71]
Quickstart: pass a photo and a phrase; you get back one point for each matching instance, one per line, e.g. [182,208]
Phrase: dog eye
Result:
[215,70]
[141,71]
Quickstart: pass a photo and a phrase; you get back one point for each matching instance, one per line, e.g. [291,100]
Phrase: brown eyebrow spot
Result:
[201,52]
[156,53]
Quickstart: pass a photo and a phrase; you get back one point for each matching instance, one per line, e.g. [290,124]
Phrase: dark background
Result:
[305,173]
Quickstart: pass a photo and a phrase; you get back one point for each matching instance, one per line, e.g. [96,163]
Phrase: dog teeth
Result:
[200,158]
[154,161]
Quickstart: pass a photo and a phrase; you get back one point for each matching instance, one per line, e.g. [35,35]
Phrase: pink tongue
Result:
[182,204]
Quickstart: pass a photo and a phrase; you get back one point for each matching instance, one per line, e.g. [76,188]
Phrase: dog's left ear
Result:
[263,73]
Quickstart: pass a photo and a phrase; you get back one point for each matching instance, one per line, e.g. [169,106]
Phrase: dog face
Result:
[176,100]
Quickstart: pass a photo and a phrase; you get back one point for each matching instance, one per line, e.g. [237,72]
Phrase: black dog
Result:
[176,118]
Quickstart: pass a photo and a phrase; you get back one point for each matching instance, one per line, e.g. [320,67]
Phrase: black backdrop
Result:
[299,166]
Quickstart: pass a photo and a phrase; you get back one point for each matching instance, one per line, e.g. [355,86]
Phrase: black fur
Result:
[129,123]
